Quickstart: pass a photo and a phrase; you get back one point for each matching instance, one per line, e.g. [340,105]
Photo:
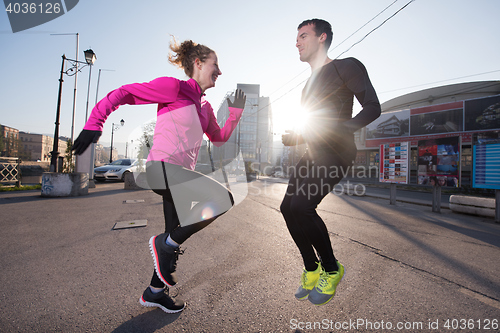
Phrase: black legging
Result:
[197,198]
[311,181]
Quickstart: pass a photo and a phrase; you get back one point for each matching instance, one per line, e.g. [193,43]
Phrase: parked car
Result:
[118,169]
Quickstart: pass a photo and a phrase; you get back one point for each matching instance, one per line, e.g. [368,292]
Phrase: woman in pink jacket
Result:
[183,117]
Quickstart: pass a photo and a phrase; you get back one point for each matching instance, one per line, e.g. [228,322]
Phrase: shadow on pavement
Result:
[20,198]
[150,321]
[397,228]
[36,195]
[488,234]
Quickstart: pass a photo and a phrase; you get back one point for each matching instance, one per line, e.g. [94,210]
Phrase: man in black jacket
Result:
[329,134]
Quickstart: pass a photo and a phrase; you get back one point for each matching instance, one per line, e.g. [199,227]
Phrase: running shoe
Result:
[324,290]
[165,258]
[161,300]
[308,280]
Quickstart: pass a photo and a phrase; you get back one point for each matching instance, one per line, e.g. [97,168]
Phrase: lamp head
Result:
[90,56]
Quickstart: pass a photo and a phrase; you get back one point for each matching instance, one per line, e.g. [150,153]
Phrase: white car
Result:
[118,169]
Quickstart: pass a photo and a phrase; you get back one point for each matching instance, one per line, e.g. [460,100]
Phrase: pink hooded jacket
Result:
[182,118]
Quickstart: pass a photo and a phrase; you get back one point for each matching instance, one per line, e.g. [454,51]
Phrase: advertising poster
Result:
[437,122]
[422,123]
[439,162]
[482,113]
[394,158]
[389,124]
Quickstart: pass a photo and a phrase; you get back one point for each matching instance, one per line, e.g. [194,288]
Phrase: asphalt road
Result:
[65,270]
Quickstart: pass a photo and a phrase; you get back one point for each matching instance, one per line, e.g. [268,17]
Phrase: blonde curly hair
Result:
[186,53]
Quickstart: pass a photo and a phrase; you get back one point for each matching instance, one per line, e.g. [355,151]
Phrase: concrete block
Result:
[56,184]
[473,205]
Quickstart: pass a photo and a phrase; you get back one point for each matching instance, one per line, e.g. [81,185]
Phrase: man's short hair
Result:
[320,26]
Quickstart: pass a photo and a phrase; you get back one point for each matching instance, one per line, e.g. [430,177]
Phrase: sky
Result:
[428,43]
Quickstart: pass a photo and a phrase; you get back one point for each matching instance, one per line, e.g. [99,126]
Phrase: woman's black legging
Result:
[310,182]
[191,201]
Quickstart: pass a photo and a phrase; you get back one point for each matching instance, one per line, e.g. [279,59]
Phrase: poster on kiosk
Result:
[439,162]
[394,159]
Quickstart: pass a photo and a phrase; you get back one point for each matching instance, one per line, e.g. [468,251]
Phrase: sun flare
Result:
[291,119]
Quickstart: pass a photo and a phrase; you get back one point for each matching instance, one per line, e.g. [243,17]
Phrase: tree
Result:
[68,164]
[146,140]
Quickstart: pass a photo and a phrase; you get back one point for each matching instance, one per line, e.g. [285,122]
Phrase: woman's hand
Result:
[239,100]
[84,140]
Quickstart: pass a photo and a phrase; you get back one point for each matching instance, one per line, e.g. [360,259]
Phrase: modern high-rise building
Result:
[254,134]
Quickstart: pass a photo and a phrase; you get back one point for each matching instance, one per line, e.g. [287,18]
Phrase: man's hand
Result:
[84,140]
[291,139]
[239,100]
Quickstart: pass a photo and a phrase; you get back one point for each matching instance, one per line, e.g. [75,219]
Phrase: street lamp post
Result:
[91,150]
[131,149]
[55,148]
[113,128]
[89,58]
[74,90]
[98,80]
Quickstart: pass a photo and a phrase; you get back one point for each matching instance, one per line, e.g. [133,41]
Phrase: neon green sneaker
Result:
[324,290]
[308,280]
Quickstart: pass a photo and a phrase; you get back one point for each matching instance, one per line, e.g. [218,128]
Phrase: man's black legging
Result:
[310,182]
[198,199]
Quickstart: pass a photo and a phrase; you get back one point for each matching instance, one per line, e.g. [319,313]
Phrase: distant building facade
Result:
[38,147]
[9,141]
[464,113]
[29,146]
